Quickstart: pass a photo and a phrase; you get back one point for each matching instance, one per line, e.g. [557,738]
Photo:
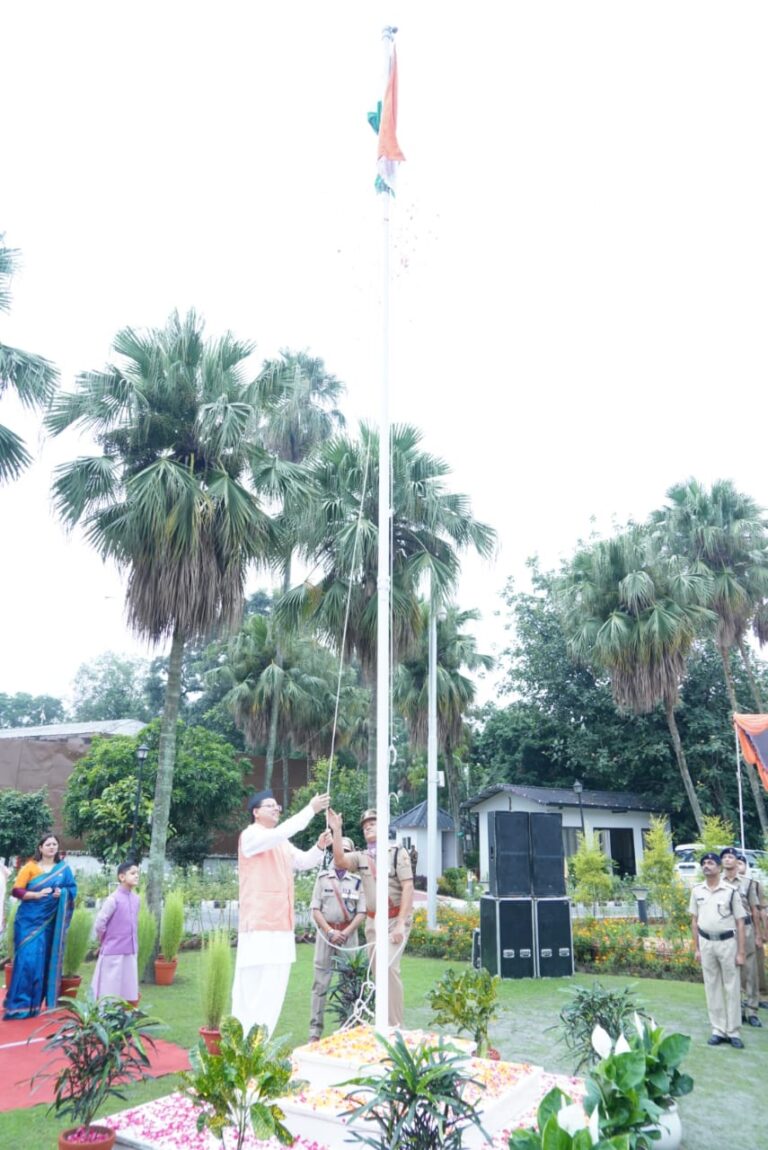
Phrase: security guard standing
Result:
[717,924]
[338,908]
[399,902]
[735,873]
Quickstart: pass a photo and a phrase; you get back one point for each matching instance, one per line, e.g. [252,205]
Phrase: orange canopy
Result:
[752,731]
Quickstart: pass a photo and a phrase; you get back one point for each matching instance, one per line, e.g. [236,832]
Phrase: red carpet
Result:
[21,1056]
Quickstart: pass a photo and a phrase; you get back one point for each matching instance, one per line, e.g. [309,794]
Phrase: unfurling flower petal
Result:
[622,1046]
[572,1118]
[601,1041]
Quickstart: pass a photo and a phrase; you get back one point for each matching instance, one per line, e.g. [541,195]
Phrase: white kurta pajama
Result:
[265,956]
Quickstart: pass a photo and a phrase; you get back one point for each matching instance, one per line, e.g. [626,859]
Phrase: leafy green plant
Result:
[419,1102]
[147,931]
[171,925]
[236,1088]
[466,1001]
[590,870]
[102,1043]
[216,978]
[658,872]
[352,994]
[592,1006]
[10,919]
[77,942]
[453,882]
[663,1055]
[561,1126]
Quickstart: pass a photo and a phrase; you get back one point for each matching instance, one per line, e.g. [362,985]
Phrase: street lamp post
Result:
[141,754]
[578,787]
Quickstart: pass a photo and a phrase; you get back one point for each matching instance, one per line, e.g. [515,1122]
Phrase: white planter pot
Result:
[671,1129]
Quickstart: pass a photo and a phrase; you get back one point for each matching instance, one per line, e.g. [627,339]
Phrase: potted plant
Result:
[215,986]
[236,1088]
[467,1001]
[147,932]
[10,920]
[75,949]
[171,934]
[102,1044]
[417,1102]
[634,1085]
[353,995]
[562,1124]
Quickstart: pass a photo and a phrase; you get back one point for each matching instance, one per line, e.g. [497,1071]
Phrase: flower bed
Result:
[623,946]
[452,939]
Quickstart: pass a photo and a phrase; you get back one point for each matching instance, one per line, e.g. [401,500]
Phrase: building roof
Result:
[417,817]
[70,730]
[566,797]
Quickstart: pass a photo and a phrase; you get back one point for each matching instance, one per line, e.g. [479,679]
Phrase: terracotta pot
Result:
[103,1138]
[165,969]
[211,1036]
[70,984]
[8,973]
[494,1054]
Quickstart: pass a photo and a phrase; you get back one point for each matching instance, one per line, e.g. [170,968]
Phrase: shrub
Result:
[452,939]
[172,925]
[592,1006]
[147,930]
[453,882]
[10,919]
[466,1001]
[216,977]
[623,946]
[591,874]
[77,942]
[665,887]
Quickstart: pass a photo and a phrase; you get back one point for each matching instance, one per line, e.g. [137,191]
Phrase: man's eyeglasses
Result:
[270,807]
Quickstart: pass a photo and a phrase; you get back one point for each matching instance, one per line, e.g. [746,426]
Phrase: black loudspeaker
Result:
[506,936]
[554,942]
[547,856]
[509,862]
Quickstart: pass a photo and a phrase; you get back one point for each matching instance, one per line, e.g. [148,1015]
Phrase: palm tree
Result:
[636,620]
[456,651]
[170,498]
[723,533]
[32,377]
[298,398]
[429,526]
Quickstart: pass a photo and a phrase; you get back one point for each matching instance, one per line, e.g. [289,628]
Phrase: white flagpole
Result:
[384,592]
[432,835]
[738,783]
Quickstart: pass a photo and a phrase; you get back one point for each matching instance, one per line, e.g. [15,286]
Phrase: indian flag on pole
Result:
[384,121]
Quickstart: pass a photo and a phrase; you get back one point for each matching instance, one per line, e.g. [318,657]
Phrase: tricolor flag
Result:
[384,122]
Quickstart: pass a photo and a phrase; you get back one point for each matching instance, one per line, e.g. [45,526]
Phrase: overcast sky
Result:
[580,245]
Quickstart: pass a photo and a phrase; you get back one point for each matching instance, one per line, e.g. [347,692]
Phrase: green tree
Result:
[456,653]
[349,791]
[32,377]
[665,887]
[170,499]
[339,534]
[637,619]
[590,870]
[206,797]
[725,534]
[23,819]
[299,398]
[24,710]
[111,687]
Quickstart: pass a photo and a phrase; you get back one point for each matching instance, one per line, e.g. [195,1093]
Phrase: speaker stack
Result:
[525,919]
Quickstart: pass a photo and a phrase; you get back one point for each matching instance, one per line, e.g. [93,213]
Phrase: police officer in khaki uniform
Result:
[717,924]
[399,902]
[735,874]
[338,908]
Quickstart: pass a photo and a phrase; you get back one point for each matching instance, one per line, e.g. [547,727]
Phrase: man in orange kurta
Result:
[266,945]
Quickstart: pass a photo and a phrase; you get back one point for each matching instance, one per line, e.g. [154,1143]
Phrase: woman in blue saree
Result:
[46,890]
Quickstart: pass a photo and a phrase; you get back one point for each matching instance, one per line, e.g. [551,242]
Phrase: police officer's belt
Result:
[717,937]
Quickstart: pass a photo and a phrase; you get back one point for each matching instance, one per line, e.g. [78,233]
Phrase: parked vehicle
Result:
[688,855]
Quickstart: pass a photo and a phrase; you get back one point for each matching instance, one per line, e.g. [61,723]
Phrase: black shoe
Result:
[763,1005]
[753,1020]
[736,1043]
[717,1040]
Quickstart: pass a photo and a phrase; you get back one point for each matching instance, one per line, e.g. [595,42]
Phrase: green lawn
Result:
[727,1108]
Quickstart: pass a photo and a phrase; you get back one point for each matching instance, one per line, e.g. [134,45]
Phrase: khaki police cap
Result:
[368,816]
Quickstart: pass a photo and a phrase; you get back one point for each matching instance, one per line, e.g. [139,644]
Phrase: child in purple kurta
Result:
[117,929]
